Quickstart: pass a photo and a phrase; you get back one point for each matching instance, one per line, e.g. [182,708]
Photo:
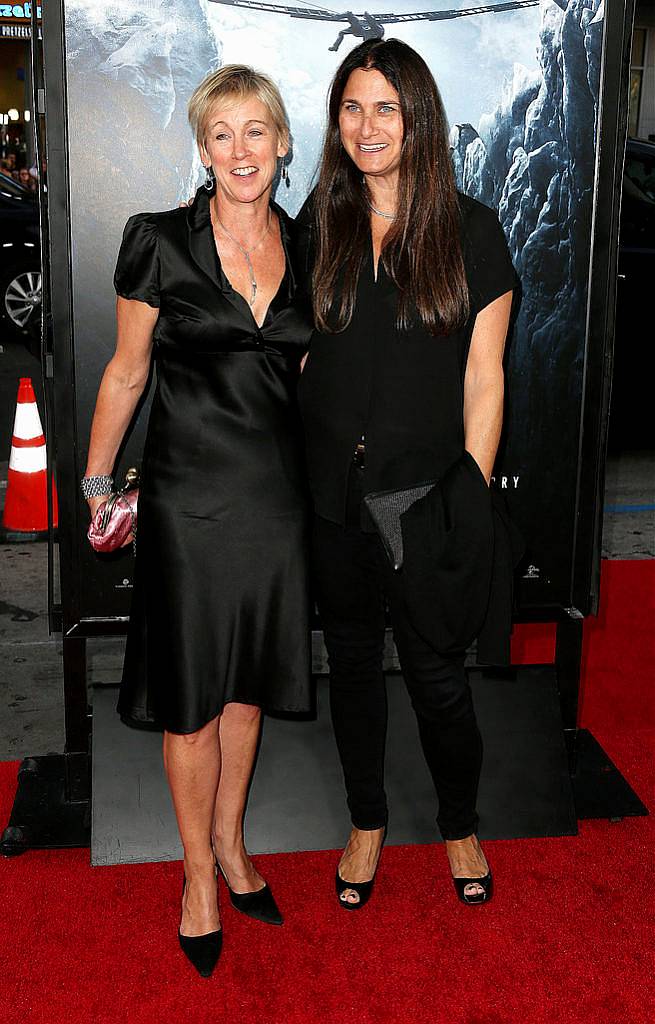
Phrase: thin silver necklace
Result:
[246,253]
[387,216]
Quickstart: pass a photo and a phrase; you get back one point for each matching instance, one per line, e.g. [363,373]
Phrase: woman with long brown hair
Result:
[412,288]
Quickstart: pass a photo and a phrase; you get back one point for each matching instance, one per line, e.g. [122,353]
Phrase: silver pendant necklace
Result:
[387,216]
[246,253]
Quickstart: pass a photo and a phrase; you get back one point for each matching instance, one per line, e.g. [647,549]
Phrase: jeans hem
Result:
[454,834]
[366,827]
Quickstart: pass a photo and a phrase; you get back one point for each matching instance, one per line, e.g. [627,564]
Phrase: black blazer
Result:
[460,549]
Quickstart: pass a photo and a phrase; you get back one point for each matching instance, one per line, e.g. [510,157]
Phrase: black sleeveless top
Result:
[401,390]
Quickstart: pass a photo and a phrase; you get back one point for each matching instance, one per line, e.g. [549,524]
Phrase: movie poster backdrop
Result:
[520,82]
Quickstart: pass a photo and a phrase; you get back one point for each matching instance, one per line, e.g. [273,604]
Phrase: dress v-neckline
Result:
[238,295]
[221,274]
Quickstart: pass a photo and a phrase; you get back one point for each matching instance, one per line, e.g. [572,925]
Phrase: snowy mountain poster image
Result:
[520,82]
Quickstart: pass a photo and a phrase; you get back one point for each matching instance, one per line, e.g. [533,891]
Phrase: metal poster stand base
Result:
[52,808]
[599,789]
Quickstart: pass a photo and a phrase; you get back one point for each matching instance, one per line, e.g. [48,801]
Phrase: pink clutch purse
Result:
[115,520]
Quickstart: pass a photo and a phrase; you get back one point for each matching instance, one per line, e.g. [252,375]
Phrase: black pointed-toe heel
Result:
[363,889]
[259,905]
[203,951]
[486,883]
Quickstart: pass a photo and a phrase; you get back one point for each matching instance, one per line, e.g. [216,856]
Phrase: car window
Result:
[640,172]
[11,189]
[638,209]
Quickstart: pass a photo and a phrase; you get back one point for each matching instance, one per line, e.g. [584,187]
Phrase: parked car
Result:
[20,263]
[631,418]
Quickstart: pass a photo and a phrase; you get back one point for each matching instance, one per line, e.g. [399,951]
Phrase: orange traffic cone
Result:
[26,506]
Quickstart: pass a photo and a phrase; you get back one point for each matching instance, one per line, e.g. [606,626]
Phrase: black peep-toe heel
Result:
[203,951]
[486,883]
[363,889]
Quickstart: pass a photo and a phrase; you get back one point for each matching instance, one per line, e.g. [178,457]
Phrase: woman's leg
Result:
[351,606]
[352,616]
[450,738]
[193,765]
[238,736]
[449,734]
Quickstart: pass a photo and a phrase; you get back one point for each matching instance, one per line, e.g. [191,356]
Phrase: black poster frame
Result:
[58,312]
[601,306]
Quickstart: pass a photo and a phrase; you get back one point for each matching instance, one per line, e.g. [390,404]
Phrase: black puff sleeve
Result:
[137,268]
[489,268]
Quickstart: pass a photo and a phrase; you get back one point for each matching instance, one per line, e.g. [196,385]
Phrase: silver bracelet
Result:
[96,486]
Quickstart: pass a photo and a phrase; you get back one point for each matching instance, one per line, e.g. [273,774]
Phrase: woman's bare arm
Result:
[484,383]
[121,387]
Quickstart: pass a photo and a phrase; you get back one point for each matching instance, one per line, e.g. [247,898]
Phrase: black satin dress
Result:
[220,609]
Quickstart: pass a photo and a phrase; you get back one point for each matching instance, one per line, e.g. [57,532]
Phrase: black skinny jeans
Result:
[355,582]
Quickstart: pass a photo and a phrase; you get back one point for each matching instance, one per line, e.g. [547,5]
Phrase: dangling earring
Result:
[210,180]
[285,175]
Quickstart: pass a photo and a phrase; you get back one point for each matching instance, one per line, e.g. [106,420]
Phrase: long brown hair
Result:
[422,251]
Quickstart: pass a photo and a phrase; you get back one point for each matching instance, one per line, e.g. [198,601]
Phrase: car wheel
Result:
[20,297]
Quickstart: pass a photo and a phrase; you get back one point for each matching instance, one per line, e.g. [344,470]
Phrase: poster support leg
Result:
[599,788]
[77,716]
[52,807]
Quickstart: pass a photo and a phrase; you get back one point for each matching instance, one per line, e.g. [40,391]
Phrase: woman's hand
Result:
[95,503]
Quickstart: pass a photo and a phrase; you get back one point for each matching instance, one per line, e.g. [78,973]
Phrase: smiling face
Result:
[242,145]
[371,123]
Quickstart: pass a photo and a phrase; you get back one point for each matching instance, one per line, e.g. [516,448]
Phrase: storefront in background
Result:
[16,143]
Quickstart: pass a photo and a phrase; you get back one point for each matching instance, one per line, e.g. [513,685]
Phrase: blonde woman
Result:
[219,628]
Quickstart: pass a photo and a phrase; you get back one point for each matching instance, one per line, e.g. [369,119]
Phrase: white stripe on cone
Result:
[27,423]
[28,460]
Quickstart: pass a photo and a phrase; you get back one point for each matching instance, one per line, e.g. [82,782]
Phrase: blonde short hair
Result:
[238,82]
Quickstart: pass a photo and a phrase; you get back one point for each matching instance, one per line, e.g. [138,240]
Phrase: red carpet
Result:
[568,939]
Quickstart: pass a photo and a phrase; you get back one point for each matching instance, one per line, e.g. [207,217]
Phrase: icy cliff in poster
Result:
[132,66]
[532,158]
